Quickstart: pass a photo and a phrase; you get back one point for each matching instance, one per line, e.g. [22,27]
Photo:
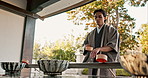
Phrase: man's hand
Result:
[101,49]
[88,47]
[94,52]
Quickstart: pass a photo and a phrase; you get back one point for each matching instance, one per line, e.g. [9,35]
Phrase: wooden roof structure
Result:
[42,8]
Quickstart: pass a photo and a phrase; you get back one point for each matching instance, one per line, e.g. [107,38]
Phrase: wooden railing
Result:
[114,65]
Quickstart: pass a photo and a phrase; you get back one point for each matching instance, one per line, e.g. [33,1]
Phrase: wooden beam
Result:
[17,10]
[84,2]
[114,65]
[38,5]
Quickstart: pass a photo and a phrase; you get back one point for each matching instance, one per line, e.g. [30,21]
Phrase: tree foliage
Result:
[117,17]
[64,49]
[144,38]
[42,52]
[137,3]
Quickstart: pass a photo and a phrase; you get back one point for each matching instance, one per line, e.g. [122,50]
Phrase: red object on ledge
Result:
[101,58]
[25,61]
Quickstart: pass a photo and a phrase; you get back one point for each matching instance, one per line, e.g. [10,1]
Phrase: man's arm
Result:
[88,47]
[104,49]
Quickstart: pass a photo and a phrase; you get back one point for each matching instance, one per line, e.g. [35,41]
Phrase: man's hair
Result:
[100,10]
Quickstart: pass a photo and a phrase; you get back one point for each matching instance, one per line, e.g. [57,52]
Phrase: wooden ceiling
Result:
[43,8]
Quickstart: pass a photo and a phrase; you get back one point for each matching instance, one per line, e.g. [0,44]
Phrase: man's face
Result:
[99,18]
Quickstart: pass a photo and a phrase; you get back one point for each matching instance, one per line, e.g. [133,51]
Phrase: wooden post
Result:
[27,44]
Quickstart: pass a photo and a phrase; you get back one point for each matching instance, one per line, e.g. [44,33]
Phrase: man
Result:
[104,39]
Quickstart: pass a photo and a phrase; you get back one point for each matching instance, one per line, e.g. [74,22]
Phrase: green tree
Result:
[63,49]
[117,17]
[42,52]
[144,38]
[66,48]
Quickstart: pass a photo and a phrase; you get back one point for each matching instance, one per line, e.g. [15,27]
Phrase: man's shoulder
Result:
[93,30]
[110,27]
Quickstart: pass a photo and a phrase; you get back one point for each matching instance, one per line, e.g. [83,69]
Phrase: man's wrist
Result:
[89,48]
[98,50]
